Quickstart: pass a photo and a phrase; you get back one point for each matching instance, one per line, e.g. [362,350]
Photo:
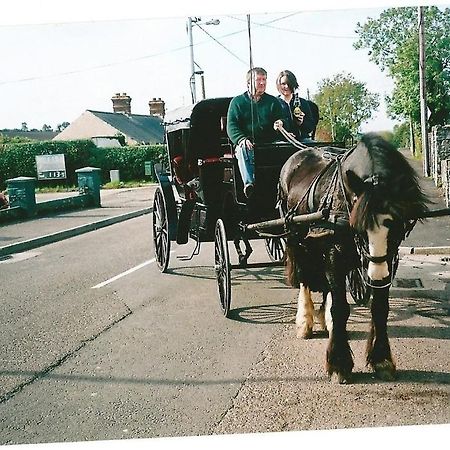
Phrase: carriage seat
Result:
[182,171]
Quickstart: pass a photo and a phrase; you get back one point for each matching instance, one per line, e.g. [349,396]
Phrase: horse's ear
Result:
[355,183]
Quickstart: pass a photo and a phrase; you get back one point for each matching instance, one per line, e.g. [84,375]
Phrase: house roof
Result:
[141,128]
[34,135]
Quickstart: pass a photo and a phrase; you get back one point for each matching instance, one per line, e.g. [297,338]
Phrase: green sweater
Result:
[265,112]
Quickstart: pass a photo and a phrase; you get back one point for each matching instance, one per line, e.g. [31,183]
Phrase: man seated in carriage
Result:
[250,121]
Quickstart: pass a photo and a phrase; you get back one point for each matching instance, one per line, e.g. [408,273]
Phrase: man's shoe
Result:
[248,190]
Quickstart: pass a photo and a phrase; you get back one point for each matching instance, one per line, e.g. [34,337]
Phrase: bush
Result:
[18,159]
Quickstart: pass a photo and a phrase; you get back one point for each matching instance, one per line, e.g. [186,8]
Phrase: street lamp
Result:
[190,23]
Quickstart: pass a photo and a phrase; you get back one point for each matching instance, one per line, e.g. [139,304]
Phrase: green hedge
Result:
[19,159]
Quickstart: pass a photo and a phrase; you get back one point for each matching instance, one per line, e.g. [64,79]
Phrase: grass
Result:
[127,184]
[110,185]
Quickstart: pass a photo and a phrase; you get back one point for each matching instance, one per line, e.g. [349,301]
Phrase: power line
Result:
[223,46]
[290,30]
[140,58]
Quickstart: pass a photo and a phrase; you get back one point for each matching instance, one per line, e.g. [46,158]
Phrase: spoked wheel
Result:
[358,288]
[222,267]
[161,239]
[276,248]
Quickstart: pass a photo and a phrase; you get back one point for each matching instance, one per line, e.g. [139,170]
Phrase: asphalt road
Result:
[96,344]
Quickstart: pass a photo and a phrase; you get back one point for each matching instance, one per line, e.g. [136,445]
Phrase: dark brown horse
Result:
[371,196]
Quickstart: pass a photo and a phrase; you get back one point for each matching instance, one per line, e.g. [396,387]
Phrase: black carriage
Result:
[200,195]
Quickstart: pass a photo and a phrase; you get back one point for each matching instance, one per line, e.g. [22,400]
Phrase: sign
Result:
[51,167]
[148,168]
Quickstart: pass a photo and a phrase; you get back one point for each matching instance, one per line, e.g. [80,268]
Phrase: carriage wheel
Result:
[358,288]
[161,239]
[222,267]
[276,248]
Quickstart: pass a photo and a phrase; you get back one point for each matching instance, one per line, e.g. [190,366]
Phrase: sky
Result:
[59,62]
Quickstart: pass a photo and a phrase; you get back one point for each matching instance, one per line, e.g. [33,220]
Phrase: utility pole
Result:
[191,48]
[190,23]
[331,119]
[423,95]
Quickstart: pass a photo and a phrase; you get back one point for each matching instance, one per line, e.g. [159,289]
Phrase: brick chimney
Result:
[157,107]
[121,103]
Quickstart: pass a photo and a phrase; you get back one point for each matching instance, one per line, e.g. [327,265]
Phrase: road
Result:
[96,344]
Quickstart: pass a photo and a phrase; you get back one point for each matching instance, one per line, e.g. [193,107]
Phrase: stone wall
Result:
[439,150]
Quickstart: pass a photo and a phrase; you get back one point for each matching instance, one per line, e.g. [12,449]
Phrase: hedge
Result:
[19,159]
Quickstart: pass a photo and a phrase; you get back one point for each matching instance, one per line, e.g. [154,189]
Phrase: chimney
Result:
[121,103]
[157,107]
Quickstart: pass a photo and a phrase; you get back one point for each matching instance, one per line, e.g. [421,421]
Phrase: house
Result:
[118,127]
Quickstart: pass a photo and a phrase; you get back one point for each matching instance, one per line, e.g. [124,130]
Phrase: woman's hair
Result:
[291,80]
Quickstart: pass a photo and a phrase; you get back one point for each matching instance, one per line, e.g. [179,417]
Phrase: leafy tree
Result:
[24,126]
[62,126]
[46,127]
[344,104]
[392,41]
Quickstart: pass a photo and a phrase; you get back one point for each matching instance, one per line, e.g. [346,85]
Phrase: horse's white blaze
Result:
[328,317]
[305,312]
[378,247]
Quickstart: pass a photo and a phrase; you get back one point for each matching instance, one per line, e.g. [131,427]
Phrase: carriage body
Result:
[202,182]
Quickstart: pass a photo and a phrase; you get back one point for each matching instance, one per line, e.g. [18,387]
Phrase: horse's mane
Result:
[398,191]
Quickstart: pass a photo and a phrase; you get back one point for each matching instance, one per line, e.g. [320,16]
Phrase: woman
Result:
[297,115]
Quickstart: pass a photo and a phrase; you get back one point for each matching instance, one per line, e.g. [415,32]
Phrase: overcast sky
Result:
[58,63]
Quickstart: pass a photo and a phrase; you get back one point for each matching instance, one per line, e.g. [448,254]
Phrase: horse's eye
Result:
[388,223]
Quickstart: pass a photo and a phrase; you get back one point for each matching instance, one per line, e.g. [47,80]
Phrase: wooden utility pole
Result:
[412,142]
[423,96]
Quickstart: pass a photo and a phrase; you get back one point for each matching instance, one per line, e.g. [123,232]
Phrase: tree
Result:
[344,104]
[46,127]
[392,41]
[24,126]
[62,126]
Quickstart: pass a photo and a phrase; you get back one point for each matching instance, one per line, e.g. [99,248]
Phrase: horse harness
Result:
[336,220]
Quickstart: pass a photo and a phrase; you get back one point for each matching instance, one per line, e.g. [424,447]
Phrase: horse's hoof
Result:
[304,332]
[341,378]
[385,370]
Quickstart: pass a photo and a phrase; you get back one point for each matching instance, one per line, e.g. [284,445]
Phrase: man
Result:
[250,121]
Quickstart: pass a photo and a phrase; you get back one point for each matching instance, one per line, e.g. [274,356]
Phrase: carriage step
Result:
[184,221]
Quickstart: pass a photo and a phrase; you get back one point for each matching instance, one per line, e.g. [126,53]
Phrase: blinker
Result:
[373,180]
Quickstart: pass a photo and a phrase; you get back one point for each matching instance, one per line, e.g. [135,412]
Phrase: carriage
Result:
[334,216]
[200,195]
[203,183]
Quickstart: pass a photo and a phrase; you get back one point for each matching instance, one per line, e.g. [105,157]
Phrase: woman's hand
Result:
[300,117]
[277,124]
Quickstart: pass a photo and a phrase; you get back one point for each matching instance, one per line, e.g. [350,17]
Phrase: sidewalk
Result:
[116,205]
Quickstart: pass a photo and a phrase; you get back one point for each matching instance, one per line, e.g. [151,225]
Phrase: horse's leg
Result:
[304,319]
[378,350]
[339,359]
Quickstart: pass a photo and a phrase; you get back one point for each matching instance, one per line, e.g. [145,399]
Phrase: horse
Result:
[371,198]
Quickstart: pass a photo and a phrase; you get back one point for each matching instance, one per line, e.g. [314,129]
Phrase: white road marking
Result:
[123,274]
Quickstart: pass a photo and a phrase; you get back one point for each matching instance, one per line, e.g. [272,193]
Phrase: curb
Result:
[71,232]
[445,250]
